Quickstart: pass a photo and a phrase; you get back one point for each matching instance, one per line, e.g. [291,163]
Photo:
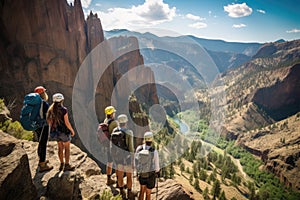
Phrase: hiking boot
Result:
[43,166]
[110,181]
[123,193]
[69,167]
[61,167]
[130,195]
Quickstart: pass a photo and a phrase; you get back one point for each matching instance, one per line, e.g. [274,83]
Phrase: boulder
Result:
[20,178]
[15,176]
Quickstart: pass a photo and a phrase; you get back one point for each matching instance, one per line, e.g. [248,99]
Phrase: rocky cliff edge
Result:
[20,179]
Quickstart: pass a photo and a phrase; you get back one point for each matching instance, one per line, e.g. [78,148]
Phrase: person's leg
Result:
[142,192]
[109,165]
[61,155]
[68,167]
[148,194]
[120,175]
[130,193]
[67,152]
[42,149]
[39,134]
[108,173]
[109,168]
[61,151]
[120,182]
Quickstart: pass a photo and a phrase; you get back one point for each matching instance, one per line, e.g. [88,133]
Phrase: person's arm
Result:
[112,126]
[68,124]
[129,141]
[156,161]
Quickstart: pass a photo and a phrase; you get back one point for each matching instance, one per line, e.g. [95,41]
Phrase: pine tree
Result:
[202,175]
[172,171]
[182,167]
[222,196]
[216,189]
[196,184]
[205,194]
[195,171]
[251,188]
[191,180]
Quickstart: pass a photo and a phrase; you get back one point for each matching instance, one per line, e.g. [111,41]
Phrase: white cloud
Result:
[261,11]
[98,4]
[238,10]
[152,12]
[294,31]
[155,10]
[194,17]
[198,25]
[238,25]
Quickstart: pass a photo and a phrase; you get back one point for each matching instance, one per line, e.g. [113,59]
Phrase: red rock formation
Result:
[281,99]
[46,42]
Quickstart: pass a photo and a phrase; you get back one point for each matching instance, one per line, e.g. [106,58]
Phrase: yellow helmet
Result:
[109,110]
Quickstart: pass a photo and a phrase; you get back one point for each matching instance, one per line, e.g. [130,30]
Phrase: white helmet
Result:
[122,119]
[148,137]
[58,97]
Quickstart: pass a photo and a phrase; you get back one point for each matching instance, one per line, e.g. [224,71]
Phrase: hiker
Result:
[147,166]
[122,150]
[57,117]
[110,112]
[43,132]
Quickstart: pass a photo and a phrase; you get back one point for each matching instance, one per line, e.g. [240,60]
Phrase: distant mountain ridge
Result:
[225,54]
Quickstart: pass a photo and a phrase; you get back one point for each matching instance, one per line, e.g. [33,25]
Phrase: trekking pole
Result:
[156,188]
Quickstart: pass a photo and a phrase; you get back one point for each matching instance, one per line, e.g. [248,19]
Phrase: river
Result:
[184,128]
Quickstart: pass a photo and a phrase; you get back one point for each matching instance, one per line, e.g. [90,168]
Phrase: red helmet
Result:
[39,90]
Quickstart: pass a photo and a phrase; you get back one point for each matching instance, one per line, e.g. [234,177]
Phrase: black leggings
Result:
[42,134]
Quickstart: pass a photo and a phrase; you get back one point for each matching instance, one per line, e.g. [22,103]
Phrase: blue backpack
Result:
[31,117]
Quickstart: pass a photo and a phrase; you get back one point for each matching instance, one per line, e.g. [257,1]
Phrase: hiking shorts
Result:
[109,158]
[62,137]
[149,182]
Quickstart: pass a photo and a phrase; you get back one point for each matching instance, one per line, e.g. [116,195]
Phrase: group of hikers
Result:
[119,147]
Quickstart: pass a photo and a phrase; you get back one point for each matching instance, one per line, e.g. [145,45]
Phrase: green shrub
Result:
[107,195]
[14,128]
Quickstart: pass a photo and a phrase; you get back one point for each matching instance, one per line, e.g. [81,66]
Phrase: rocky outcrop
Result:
[283,98]
[263,102]
[285,166]
[42,43]
[278,147]
[283,51]
[47,42]
[15,181]
[20,178]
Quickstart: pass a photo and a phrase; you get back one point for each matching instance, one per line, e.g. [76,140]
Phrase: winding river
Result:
[184,128]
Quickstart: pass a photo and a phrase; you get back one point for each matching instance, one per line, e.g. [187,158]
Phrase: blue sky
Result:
[229,20]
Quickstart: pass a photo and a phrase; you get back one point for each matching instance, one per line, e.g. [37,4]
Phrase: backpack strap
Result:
[41,110]
[109,121]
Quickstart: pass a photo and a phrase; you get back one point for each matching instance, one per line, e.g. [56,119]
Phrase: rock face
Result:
[15,181]
[278,147]
[47,42]
[281,99]
[20,178]
[263,102]
[43,44]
